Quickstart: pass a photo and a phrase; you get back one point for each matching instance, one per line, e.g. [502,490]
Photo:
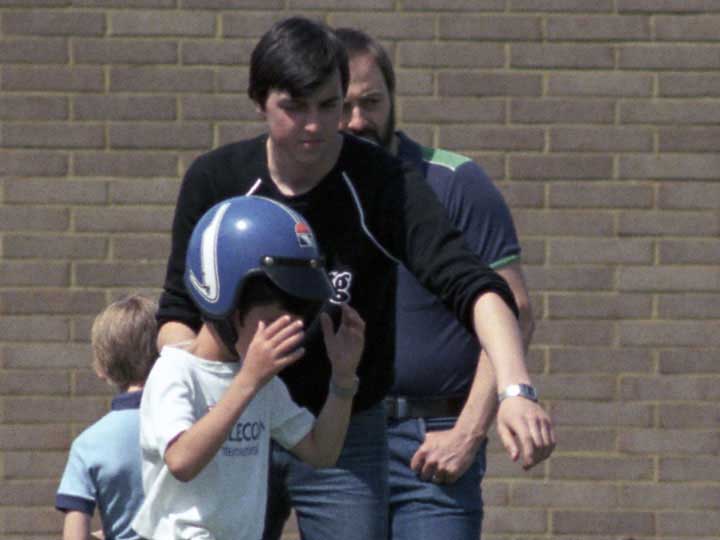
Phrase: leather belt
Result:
[399,407]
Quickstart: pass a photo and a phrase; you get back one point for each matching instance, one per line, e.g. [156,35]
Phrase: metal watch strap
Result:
[522,390]
[342,391]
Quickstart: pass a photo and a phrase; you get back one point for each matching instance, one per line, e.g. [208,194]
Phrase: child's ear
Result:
[99,372]
[104,376]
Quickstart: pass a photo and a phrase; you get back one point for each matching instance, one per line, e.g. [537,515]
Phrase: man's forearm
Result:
[515,278]
[480,407]
[499,334]
[446,455]
[524,427]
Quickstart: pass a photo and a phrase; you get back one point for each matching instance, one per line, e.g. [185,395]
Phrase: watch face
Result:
[522,390]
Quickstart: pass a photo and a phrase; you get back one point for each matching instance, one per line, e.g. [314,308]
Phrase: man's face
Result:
[368,107]
[304,129]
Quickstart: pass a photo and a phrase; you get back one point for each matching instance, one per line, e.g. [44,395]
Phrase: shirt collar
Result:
[408,149]
[126,400]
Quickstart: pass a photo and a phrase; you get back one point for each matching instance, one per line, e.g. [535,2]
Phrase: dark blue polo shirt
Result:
[436,356]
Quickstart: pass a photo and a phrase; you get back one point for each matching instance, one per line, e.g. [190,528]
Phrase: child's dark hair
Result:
[260,291]
[296,55]
[123,339]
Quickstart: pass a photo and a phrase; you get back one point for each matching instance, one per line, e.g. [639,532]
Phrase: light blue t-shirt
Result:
[104,469]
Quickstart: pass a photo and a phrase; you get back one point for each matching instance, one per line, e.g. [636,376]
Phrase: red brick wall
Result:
[598,120]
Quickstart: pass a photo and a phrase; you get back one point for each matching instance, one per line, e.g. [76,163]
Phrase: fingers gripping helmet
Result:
[250,236]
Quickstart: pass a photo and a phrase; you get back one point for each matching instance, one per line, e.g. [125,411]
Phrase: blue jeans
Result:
[423,510]
[348,501]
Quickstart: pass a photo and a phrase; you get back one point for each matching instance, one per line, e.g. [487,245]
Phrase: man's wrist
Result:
[526,391]
[472,438]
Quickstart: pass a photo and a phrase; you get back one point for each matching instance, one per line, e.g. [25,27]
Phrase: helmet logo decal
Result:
[209,284]
[304,236]
[341,282]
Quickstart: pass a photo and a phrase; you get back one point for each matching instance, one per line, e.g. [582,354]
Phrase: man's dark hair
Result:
[297,55]
[358,42]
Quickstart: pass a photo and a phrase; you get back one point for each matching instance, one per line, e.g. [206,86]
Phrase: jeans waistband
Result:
[400,407]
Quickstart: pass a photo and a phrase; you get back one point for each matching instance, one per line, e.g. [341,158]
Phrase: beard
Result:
[384,137]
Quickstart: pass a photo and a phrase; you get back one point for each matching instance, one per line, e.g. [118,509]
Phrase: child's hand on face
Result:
[273,348]
[345,346]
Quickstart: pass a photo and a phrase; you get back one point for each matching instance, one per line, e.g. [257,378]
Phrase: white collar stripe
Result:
[363,224]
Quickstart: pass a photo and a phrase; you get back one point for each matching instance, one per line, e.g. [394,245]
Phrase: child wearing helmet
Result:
[212,405]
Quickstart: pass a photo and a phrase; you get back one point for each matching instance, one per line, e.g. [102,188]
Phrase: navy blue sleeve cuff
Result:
[68,503]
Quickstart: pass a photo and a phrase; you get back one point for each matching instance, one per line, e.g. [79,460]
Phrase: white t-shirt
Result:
[227,499]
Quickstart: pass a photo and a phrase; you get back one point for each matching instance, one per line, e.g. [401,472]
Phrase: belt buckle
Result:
[398,408]
[402,408]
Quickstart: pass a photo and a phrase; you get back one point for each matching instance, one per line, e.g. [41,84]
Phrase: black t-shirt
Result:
[368,214]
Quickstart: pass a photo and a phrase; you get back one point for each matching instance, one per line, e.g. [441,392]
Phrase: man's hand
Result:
[273,348]
[445,455]
[345,346]
[526,431]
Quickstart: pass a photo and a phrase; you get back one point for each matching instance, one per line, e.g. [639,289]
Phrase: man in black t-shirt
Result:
[368,213]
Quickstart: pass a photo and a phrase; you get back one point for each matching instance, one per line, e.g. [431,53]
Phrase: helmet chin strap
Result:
[227,333]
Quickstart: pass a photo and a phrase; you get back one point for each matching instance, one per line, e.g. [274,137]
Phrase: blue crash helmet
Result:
[249,236]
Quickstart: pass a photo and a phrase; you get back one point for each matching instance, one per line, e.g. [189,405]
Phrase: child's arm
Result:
[273,348]
[321,447]
[76,526]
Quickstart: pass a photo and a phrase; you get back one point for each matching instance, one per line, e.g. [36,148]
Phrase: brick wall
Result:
[598,120]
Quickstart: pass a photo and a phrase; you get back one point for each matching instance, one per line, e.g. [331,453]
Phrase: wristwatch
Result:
[342,391]
[522,390]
